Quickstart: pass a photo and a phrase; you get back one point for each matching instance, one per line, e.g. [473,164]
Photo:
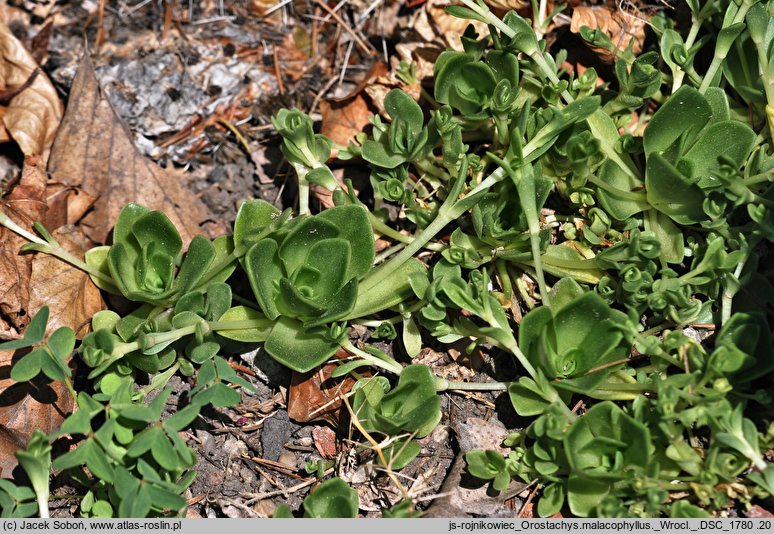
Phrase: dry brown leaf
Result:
[455,499]
[8,446]
[25,205]
[421,55]
[342,121]
[343,118]
[25,407]
[383,85]
[435,25]
[66,205]
[315,396]
[621,26]
[508,5]
[325,441]
[94,152]
[31,117]
[69,293]
[757,512]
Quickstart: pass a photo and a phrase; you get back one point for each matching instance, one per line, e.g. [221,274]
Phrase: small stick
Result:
[529,500]
[276,466]
[320,95]
[100,21]
[346,28]
[235,131]
[168,7]
[315,33]
[255,497]
[278,74]
[268,477]
[241,369]
[196,500]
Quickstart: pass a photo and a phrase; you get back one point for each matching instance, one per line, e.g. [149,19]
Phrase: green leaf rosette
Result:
[306,278]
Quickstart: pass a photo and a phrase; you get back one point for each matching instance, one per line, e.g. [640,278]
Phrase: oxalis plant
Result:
[585,228]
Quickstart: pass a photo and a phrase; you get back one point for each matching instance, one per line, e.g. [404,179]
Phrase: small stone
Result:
[234,447]
[288,459]
[264,508]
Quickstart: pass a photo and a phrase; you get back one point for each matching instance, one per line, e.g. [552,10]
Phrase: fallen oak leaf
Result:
[94,152]
[32,115]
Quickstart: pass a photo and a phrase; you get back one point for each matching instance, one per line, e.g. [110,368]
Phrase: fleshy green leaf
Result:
[257,331]
[682,116]
[263,268]
[253,218]
[293,347]
[332,498]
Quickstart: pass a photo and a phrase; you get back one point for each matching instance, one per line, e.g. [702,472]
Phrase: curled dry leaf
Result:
[621,26]
[94,153]
[25,204]
[31,117]
[435,25]
[325,441]
[315,396]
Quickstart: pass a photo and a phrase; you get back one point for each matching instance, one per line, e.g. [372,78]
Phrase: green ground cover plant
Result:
[527,188]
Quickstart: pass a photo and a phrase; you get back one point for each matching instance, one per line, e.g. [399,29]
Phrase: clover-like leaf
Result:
[34,333]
